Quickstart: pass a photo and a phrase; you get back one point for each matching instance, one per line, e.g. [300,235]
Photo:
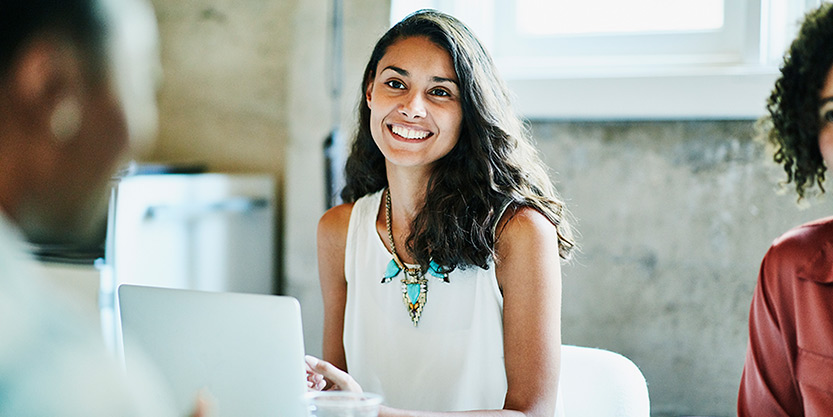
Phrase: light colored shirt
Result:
[52,362]
[452,361]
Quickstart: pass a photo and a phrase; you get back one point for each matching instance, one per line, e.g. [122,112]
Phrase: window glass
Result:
[563,17]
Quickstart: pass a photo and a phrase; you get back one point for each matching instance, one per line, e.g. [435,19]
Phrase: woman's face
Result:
[414,101]
[826,119]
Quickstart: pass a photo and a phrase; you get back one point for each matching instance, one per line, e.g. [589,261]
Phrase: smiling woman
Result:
[445,194]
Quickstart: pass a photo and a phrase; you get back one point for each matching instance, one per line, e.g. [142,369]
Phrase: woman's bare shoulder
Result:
[334,222]
[523,223]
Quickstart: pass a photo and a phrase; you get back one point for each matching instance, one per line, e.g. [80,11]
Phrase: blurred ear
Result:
[46,73]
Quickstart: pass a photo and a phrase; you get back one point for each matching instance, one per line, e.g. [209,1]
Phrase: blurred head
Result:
[78,85]
[795,121]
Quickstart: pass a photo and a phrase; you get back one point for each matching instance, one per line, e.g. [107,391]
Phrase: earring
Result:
[65,120]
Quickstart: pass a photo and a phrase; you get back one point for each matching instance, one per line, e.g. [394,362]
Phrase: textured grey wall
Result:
[225,95]
[674,218]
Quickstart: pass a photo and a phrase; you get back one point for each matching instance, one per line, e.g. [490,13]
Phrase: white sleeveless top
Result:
[453,361]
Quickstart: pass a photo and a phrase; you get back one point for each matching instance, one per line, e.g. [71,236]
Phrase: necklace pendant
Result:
[391,271]
[414,285]
[437,272]
[414,294]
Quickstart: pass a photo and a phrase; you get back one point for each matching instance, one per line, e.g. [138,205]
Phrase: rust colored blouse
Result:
[789,361]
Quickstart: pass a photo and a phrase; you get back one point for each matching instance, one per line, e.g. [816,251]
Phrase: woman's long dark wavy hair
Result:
[792,125]
[492,164]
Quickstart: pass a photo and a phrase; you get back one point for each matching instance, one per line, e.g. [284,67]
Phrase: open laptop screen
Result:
[246,350]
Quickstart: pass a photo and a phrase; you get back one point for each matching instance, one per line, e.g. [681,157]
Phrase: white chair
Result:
[601,383]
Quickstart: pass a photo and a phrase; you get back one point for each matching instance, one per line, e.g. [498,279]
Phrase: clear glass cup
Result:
[343,404]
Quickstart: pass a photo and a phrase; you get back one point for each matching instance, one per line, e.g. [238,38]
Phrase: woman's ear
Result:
[368,90]
[45,82]
[33,74]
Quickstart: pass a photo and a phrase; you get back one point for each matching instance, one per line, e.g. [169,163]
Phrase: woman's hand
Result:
[315,380]
[204,405]
[322,375]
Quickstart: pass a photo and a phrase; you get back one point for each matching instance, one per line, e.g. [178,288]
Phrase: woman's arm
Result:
[332,239]
[528,270]
[768,386]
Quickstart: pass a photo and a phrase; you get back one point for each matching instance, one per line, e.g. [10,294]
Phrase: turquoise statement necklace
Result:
[414,284]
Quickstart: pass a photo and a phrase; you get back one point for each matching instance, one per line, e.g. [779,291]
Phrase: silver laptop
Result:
[246,350]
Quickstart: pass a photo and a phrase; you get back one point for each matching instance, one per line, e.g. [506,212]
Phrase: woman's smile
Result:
[409,133]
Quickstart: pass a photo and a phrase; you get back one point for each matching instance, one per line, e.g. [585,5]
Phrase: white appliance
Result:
[211,232]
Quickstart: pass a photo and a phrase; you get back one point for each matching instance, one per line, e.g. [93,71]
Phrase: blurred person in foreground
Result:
[76,87]
[789,362]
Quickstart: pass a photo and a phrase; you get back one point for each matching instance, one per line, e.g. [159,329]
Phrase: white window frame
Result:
[729,84]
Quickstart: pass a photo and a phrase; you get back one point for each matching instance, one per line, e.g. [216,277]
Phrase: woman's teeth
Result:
[409,133]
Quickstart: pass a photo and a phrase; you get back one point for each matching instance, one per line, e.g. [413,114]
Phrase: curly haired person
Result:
[789,361]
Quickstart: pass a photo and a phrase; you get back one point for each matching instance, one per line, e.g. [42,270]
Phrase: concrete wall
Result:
[224,96]
[674,219]
[674,216]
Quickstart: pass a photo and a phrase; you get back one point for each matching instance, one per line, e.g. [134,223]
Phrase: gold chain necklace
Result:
[414,284]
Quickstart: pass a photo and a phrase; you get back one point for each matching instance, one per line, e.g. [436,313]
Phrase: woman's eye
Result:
[395,84]
[440,92]
[826,112]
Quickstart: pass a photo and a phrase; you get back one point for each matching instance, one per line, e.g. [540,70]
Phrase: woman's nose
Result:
[413,106]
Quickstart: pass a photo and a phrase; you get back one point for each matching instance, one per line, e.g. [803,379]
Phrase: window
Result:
[632,59]
[561,17]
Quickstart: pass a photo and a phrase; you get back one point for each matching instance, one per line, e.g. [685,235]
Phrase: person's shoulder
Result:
[335,220]
[806,236]
[524,224]
[526,249]
[805,251]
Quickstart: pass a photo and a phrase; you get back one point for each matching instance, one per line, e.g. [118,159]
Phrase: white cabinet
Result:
[213,232]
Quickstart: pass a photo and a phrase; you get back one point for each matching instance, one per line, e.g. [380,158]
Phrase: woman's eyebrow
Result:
[403,72]
[825,100]
[398,70]
[444,80]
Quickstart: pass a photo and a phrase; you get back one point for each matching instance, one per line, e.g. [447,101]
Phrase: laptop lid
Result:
[246,350]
